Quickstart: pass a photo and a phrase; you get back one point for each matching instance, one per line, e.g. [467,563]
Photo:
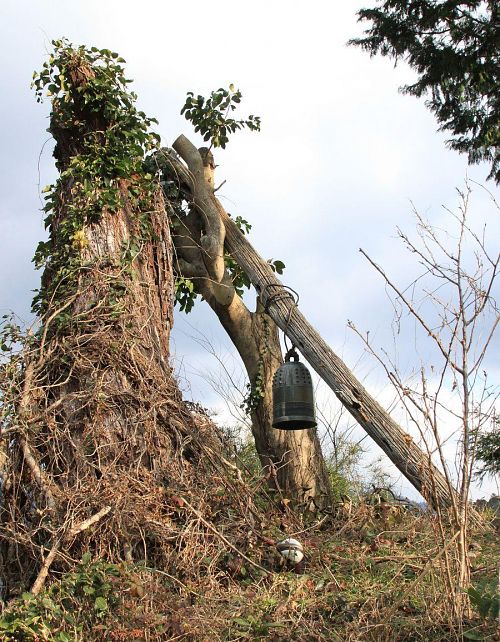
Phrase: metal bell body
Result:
[293,397]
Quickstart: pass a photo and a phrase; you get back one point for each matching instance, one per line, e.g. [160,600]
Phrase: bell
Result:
[293,398]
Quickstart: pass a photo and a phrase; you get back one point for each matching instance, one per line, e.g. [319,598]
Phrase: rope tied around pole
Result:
[285,292]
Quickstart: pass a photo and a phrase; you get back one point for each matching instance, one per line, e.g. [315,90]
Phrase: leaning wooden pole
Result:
[398,445]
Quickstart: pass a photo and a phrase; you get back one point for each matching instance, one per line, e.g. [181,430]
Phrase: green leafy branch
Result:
[210,116]
[488,452]
[453,48]
[485,597]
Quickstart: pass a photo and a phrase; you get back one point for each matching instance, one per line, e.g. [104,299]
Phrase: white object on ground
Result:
[291,549]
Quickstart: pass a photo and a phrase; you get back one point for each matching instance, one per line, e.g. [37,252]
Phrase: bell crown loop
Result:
[292,353]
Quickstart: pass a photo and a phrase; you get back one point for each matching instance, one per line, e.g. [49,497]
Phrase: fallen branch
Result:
[44,571]
[82,526]
[87,523]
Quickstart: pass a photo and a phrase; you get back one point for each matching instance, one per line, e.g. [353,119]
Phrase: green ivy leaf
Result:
[276,266]
[101,604]
[86,558]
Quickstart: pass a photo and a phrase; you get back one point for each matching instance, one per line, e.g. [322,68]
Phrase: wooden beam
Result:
[397,444]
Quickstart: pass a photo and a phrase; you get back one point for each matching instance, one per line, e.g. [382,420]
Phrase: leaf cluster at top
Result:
[87,87]
[210,116]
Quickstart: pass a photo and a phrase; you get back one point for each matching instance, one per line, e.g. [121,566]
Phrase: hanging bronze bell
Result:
[293,397]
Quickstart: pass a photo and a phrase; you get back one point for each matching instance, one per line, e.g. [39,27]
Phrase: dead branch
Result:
[82,526]
[44,571]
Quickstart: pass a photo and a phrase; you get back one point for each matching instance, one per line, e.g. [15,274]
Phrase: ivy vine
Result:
[255,388]
[102,139]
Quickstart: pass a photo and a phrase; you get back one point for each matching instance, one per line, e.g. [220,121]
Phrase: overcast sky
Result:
[340,159]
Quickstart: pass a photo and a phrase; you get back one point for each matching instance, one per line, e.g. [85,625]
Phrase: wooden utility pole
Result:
[398,445]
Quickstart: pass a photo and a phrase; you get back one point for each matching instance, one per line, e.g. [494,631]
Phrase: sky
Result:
[340,163]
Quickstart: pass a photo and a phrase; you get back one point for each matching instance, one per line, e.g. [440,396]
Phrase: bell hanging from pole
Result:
[293,397]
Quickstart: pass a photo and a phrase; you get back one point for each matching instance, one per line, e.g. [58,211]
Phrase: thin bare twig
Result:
[224,539]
